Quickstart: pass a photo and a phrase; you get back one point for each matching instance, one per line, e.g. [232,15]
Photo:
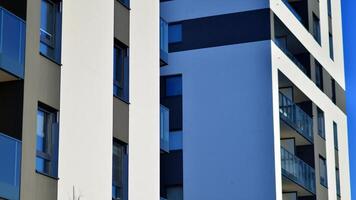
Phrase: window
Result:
[47,141]
[337,174]
[321,123]
[323,172]
[50,30]
[175,33]
[329,8]
[333,91]
[316,28]
[121,72]
[125,2]
[319,76]
[331,46]
[174,86]
[119,171]
[336,143]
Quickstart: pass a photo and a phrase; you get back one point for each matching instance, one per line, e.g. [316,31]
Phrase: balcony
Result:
[164,128]
[12,43]
[10,154]
[295,117]
[297,171]
[163,42]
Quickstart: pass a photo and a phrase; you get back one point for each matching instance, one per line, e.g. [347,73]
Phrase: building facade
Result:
[131,99]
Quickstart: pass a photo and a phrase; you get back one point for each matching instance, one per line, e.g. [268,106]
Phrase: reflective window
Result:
[337,173]
[46,142]
[331,46]
[321,123]
[316,28]
[174,85]
[119,172]
[336,142]
[175,33]
[323,172]
[319,75]
[121,72]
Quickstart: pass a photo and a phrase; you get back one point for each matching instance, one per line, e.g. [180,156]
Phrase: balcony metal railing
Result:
[164,128]
[283,47]
[297,170]
[12,43]
[295,117]
[164,40]
[295,13]
[10,154]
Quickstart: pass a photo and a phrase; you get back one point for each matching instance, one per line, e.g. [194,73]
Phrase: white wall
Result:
[228,143]
[85,154]
[144,141]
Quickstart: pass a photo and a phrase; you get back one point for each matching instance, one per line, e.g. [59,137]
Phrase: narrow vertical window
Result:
[119,172]
[329,8]
[337,174]
[50,30]
[316,28]
[333,91]
[321,123]
[323,171]
[47,142]
[331,46]
[121,70]
[336,142]
[319,76]
[174,86]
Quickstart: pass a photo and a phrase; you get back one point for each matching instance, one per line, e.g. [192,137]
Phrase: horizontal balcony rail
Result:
[12,43]
[295,13]
[297,170]
[164,41]
[290,55]
[295,117]
[10,168]
[164,128]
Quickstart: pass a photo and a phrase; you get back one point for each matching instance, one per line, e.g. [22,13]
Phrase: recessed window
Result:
[336,142]
[50,30]
[333,91]
[329,8]
[47,141]
[175,33]
[323,171]
[125,2]
[331,46]
[119,171]
[316,28]
[321,123]
[319,76]
[337,174]
[121,72]
[174,86]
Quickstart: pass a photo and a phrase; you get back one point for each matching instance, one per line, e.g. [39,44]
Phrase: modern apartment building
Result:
[173,99]
[256,95]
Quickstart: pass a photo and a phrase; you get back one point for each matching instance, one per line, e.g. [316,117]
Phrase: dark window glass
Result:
[316,28]
[319,75]
[121,68]
[323,172]
[329,8]
[337,173]
[47,142]
[50,30]
[321,123]
[333,90]
[331,46]
[174,86]
[125,2]
[175,33]
[119,171]
[336,142]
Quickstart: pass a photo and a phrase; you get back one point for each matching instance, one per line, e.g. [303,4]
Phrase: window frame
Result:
[335,132]
[324,181]
[120,186]
[51,141]
[122,86]
[316,28]
[321,123]
[50,42]
[319,71]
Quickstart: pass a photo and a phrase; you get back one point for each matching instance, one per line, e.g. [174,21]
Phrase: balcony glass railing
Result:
[10,167]
[164,128]
[164,41]
[12,43]
[295,13]
[282,45]
[297,170]
[295,117]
